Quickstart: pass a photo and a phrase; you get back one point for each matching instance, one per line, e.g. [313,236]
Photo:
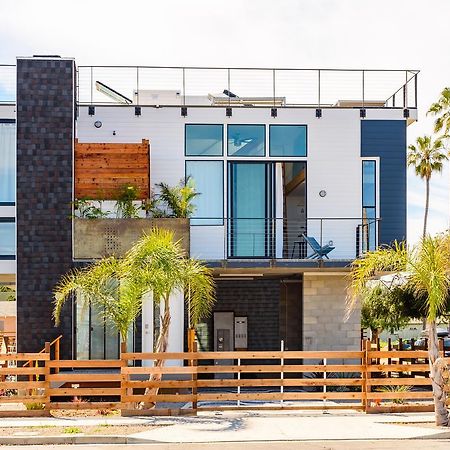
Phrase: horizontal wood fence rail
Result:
[185,383]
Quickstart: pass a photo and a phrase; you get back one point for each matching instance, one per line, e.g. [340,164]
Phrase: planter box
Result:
[96,238]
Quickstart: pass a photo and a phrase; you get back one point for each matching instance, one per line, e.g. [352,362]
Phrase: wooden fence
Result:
[185,383]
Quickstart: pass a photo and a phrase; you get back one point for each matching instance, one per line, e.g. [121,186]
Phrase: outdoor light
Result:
[91,110]
[97,124]
[183,111]
[137,110]
[362,113]
[406,113]
[274,112]
[318,113]
[323,193]
[229,112]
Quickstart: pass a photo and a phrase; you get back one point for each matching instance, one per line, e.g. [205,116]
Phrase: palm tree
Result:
[441,108]
[424,269]
[179,198]
[156,264]
[426,158]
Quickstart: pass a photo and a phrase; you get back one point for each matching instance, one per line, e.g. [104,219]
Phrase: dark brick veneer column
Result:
[45,127]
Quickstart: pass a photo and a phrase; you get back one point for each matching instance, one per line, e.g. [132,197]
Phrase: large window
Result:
[7,238]
[204,140]
[246,140]
[287,140]
[7,161]
[369,223]
[208,179]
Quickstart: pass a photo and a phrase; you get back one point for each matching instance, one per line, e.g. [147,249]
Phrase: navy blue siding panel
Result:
[387,139]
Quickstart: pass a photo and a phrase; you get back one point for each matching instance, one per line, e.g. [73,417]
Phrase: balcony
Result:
[281,241]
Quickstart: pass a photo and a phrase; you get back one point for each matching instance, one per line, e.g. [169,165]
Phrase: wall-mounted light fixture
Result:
[91,110]
[362,113]
[228,112]
[137,110]
[406,113]
[318,113]
[183,111]
[274,112]
[98,124]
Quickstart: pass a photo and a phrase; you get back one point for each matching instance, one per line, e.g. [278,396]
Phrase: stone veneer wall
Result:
[324,328]
[45,127]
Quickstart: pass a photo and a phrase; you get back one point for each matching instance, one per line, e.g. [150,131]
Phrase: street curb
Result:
[67,440]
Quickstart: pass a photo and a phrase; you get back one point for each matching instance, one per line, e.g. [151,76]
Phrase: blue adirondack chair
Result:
[319,250]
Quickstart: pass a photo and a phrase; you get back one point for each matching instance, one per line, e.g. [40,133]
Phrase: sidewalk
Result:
[248,426]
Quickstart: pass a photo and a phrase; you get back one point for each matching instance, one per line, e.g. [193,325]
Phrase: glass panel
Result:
[111,342]
[7,162]
[369,195]
[82,331]
[7,239]
[204,140]
[248,225]
[208,179]
[246,140]
[97,334]
[369,229]
[287,140]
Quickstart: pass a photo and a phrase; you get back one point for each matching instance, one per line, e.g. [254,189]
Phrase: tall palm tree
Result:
[426,271]
[426,158]
[441,108]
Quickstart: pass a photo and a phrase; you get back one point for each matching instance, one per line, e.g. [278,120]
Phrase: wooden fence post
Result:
[366,385]
[194,363]
[57,354]
[47,377]
[124,378]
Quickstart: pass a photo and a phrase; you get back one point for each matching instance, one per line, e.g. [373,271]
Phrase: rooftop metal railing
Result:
[253,87]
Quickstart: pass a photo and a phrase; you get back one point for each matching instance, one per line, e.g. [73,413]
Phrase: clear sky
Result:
[387,34]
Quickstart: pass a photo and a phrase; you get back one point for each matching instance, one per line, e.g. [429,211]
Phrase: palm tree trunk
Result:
[161,346]
[427,202]
[436,377]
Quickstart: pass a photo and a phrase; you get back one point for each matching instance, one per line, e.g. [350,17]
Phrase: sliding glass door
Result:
[250,210]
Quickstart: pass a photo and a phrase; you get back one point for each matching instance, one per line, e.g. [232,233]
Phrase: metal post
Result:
[184,86]
[92,85]
[415,90]
[318,98]
[273,82]
[363,89]
[137,85]
[229,86]
[282,373]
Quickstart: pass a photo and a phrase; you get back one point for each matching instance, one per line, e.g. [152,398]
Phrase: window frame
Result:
[10,257]
[247,125]
[221,125]
[305,126]
[220,220]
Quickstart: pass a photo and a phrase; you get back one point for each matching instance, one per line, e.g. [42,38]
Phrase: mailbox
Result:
[240,333]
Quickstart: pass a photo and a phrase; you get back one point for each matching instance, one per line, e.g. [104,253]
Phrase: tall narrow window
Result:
[208,180]
[203,140]
[7,162]
[7,238]
[369,223]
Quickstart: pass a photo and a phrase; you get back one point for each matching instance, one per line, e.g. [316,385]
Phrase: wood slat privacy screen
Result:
[102,168]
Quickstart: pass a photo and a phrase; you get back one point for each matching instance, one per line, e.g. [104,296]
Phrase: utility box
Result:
[223,339]
[240,333]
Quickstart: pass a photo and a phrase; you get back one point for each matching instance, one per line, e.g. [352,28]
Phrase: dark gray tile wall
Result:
[45,125]
[257,299]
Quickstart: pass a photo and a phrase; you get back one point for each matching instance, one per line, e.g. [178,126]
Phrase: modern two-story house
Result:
[299,173]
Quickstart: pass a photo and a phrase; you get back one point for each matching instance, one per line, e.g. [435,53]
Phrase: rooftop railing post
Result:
[92,84]
[184,86]
[415,90]
[363,89]
[405,91]
[318,87]
[273,86]
[229,86]
[137,85]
